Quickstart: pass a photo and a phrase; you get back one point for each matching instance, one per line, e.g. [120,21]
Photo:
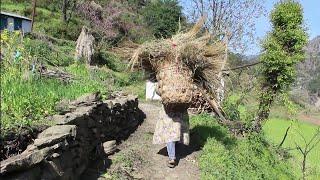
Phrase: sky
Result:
[311,10]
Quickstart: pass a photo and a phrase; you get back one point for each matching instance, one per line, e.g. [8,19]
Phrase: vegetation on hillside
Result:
[225,157]
[27,97]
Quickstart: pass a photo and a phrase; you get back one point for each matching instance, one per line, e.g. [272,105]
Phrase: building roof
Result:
[15,15]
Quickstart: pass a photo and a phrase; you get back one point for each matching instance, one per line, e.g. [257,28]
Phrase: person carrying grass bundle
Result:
[172,127]
[183,64]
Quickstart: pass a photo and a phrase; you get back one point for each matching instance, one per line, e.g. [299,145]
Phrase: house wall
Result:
[26,26]
[10,25]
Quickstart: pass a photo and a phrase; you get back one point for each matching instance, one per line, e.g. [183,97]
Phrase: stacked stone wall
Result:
[64,150]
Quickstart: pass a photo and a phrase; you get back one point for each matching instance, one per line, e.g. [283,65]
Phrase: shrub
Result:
[235,108]
[103,57]
[224,157]
[47,53]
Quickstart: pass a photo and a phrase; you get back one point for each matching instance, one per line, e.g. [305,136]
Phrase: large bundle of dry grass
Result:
[187,60]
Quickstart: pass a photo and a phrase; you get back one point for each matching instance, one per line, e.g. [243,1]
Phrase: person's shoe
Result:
[172,163]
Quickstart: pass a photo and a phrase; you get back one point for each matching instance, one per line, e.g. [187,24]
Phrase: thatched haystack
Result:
[184,64]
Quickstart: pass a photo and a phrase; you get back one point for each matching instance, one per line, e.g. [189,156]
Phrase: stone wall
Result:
[64,150]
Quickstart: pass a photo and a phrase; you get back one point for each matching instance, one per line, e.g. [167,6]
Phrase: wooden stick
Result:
[240,67]
[213,104]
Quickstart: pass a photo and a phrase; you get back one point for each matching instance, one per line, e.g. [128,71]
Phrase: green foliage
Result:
[224,157]
[283,47]
[61,30]
[235,108]
[163,17]
[283,50]
[110,60]
[205,126]
[48,53]
[126,79]
[249,159]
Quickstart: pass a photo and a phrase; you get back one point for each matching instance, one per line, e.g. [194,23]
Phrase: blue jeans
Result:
[171,148]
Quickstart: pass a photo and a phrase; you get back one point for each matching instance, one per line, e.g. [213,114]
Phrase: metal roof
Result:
[15,15]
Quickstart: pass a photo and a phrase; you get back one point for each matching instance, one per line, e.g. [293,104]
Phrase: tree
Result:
[163,17]
[232,18]
[306,148]
[34,5]
[283,49]
[114,19]
[67,6]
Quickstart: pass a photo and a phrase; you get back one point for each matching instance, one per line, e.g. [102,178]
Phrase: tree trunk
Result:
[304,165]
[64,11]
[34,4]
[266,100]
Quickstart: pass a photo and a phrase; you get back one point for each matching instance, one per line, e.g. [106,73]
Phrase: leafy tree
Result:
[283,49]
[163,16]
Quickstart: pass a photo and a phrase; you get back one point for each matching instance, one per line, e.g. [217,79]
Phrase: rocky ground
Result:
[138,158]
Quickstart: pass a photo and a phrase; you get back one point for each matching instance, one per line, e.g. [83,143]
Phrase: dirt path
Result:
[313,119]
[138,158]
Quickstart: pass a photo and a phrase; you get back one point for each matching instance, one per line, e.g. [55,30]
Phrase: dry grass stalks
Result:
[197,58]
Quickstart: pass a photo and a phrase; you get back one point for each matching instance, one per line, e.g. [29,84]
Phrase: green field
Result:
[274,131]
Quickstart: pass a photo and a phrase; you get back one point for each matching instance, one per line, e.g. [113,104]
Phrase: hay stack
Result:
[174,83]
[181,62]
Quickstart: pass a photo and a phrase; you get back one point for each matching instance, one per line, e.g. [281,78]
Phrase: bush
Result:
[61,30]
[48,53]
[224,157]
[235,108]
[248,159]
[103,57]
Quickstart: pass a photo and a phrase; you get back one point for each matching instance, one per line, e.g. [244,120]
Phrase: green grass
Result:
[274,131]
[46,52]
[27,98]
[25,102]
[46,21]
[224,157]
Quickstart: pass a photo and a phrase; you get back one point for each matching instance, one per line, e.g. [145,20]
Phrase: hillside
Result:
[309,68]
[40,76]
[308,75]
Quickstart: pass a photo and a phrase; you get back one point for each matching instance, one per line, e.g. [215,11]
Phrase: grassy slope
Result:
[46,21]
[275,129]
[25,103]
